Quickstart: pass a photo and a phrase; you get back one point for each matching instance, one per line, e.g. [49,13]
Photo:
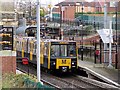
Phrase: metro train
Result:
[55,55]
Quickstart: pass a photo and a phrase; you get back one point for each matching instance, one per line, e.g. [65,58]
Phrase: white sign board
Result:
[112,3]
[105,35]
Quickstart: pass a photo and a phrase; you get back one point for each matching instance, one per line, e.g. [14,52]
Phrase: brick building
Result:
[68,8]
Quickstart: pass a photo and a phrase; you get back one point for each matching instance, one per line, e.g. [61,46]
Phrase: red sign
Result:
[25,61]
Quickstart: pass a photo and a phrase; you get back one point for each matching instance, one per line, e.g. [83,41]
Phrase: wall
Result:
[118,57]
[8,61]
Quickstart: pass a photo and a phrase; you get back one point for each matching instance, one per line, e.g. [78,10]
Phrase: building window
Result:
[89,9]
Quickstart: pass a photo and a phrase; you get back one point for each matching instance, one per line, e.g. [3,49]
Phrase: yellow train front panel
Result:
[63,62]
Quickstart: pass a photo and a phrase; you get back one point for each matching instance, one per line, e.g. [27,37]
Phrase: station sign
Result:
[105,35]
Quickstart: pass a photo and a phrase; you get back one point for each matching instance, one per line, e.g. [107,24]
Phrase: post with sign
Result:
[106,36]
[105,27]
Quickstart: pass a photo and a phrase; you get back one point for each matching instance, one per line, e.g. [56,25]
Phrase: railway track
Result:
[44,81]
[62,83]
[58,82]
[70,82]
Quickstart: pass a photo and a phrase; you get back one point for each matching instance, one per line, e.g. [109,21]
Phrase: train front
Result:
[63,56]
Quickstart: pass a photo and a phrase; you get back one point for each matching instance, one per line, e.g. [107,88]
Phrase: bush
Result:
[15,80]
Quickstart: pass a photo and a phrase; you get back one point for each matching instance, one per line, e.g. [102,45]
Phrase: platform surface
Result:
[111,74]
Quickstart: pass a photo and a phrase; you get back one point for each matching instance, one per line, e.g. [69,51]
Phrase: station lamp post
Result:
[82,34]
[60,36]
[38,40]
[116,59]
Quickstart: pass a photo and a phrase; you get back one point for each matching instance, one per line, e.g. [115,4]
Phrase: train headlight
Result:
[73,63]
[53,63]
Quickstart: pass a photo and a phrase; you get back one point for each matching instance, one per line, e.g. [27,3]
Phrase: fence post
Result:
[100,51]
[116,58]
[86,51]
[90,51]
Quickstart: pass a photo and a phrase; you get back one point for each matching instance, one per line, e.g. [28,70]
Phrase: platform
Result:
[109,75]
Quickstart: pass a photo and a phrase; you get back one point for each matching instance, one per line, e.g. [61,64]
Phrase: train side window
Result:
[35,47]
[25,46]
[45,49]
[20,45]
[28,46]
[42,48]
[17,45]
[31,46]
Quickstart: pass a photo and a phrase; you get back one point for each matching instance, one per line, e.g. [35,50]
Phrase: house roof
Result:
[64,3]
[95,3]
[85,4]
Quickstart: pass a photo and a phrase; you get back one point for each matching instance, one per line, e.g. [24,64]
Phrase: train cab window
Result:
[31,33]
[71,50]
[55,50]
[63,50]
